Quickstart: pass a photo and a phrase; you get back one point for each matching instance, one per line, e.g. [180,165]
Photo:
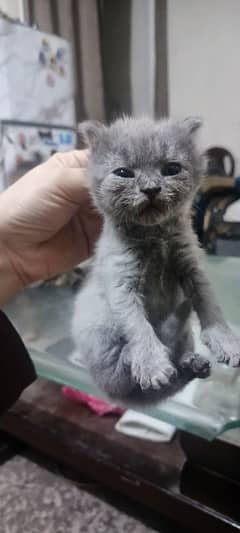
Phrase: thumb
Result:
[69,171]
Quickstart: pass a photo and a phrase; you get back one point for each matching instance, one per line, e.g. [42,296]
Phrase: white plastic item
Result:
[145,427]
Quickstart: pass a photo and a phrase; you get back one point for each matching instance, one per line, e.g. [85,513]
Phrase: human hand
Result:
[47,221]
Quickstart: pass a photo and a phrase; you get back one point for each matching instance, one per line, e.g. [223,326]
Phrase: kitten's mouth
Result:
[150,210]
[151,213]
[152,207]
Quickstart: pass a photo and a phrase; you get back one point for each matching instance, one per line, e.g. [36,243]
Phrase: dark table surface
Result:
[157,475]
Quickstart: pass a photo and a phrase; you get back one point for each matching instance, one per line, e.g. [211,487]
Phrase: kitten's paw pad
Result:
[223,344]
[154,376]
[196,364]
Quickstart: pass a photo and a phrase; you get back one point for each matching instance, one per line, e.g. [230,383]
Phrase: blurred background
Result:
[160,57]
[62,61]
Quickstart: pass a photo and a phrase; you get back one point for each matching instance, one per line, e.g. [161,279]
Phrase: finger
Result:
[72,178]
[73,159]
[92,226]
[73,184]
[67,176]
[66,248]
[44,200]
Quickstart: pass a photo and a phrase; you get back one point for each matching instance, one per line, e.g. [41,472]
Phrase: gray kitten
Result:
[131,320]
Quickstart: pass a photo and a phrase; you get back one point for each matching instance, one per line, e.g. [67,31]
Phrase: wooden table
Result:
[200,492]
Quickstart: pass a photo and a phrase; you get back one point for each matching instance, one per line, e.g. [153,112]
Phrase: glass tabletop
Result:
[206,408]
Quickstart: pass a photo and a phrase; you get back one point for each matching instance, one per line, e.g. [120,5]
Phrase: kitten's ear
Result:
[192,124]
[89,131]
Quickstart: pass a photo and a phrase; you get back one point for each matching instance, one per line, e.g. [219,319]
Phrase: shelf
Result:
[206,408]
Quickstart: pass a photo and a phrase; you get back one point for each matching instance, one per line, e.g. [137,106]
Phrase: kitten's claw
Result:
[195,364]
[159,380]
[222,357]
[153,374]
[223,344]
[235,361]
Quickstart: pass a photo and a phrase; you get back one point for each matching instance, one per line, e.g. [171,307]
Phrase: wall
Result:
[13,8]
[204,61]
[71,20]
[115,23]
[142,56]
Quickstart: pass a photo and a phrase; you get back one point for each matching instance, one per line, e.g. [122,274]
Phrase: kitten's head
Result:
[143,171]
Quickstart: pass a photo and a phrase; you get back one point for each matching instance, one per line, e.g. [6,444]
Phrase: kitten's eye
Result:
[171,169]
[124,172]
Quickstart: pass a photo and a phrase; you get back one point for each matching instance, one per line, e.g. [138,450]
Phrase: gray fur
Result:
[131,320]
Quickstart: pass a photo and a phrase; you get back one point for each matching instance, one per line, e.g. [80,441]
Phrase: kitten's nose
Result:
[151,192]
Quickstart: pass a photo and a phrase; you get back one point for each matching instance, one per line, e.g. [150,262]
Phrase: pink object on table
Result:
[100,407]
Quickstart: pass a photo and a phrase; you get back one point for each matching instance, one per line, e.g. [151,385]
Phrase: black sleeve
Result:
[16,368]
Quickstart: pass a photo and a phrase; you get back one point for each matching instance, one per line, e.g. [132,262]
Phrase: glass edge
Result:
[202,425]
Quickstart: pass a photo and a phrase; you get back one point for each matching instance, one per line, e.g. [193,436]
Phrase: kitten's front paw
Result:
[151,371]
[223,344]
[195,366]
